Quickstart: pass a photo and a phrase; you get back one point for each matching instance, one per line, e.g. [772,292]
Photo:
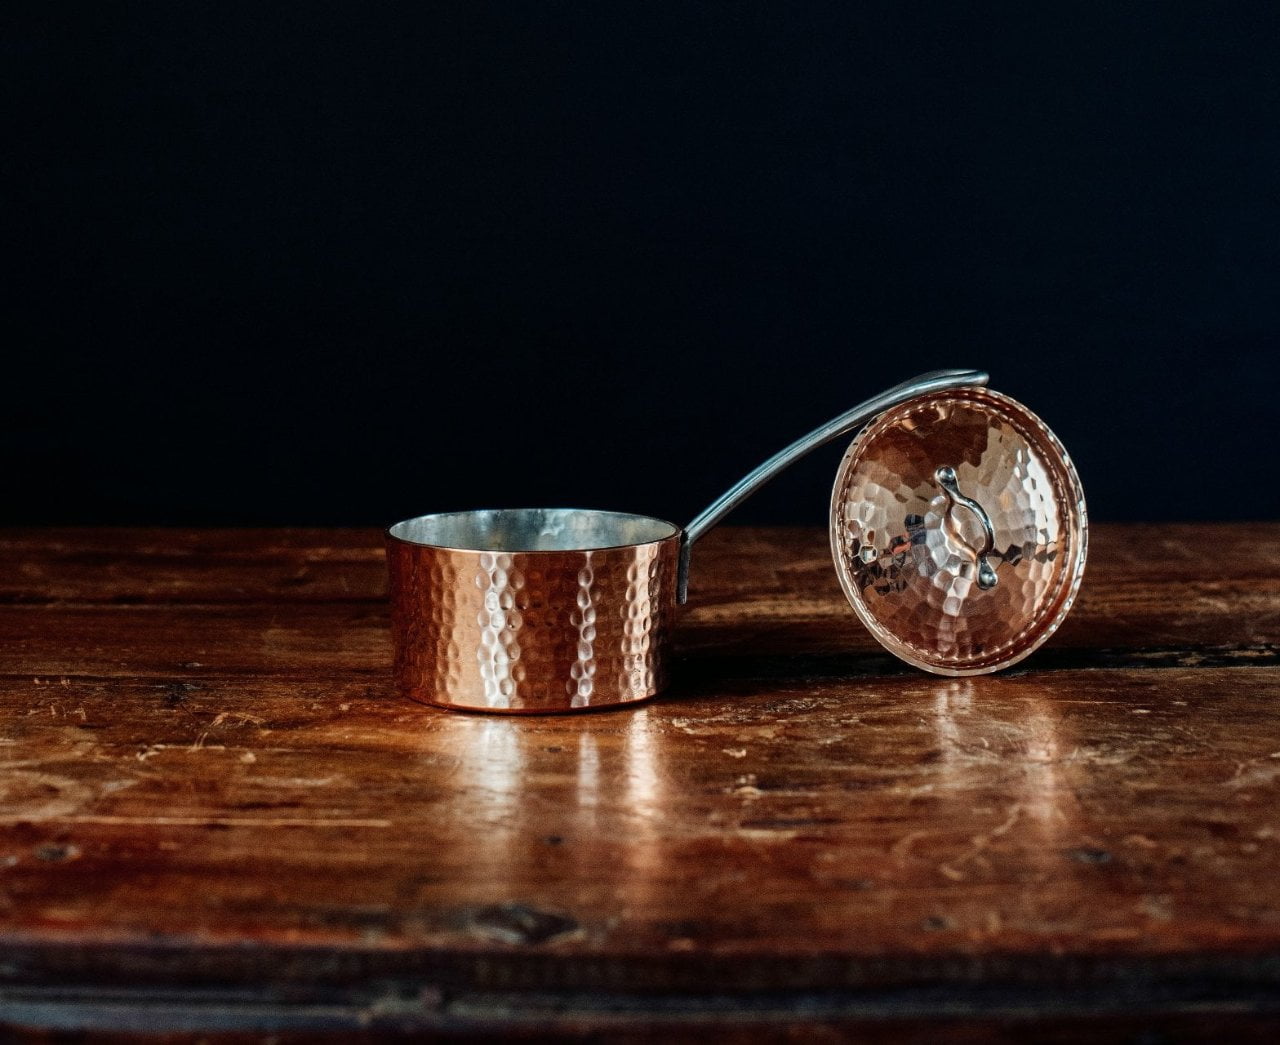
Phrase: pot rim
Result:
[673,532]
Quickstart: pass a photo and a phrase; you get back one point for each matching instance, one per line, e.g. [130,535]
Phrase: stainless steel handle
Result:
[934,381]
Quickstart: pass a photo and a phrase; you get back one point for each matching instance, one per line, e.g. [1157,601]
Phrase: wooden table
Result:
[216,814]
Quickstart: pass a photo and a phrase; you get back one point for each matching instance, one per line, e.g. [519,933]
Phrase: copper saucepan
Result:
[563,609]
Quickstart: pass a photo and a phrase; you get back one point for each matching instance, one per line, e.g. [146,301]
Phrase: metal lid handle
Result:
[946,478]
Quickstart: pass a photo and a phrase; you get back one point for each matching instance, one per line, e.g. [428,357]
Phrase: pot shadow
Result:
[708,672]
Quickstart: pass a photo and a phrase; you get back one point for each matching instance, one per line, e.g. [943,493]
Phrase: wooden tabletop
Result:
[215,813]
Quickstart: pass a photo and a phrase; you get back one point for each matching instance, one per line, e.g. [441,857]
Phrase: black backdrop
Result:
[323,263]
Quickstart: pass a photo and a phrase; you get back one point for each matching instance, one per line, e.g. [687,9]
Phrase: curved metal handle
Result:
[933,381]
[946,478]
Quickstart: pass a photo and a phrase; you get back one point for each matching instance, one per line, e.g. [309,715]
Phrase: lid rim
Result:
[1051,610]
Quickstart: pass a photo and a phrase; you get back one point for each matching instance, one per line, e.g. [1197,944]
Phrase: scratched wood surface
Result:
[216,814]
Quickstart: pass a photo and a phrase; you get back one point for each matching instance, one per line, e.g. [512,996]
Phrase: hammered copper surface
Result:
[531,631]
[910,557]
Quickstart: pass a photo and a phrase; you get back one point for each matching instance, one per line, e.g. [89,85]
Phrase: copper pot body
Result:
[521,623]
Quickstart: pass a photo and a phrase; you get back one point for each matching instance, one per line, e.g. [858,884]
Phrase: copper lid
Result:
[959,532]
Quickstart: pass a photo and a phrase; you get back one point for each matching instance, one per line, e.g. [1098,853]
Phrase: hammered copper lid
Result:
[959,531]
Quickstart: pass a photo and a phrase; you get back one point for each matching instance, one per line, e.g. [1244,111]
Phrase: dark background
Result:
[331,263]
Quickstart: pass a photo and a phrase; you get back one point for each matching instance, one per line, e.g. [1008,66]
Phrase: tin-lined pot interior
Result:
[533,530]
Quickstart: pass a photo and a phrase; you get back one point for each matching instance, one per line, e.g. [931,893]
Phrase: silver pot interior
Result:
[533,530]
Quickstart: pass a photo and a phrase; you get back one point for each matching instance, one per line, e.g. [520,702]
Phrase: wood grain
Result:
[210,793]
